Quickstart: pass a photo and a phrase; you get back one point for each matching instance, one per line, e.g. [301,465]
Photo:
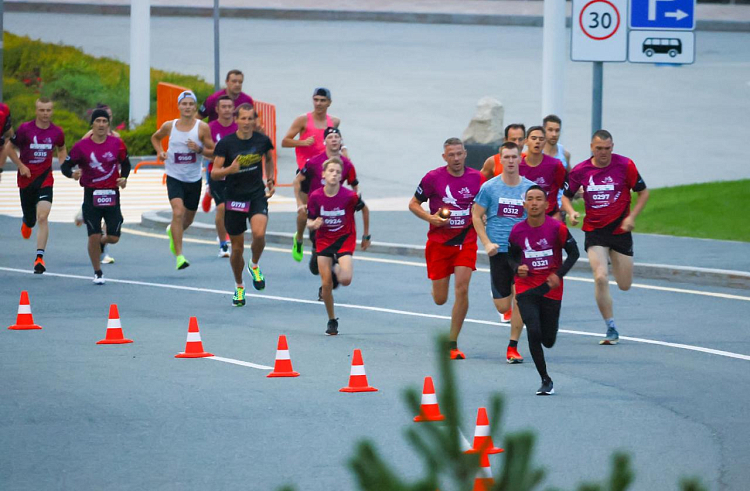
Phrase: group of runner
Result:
[514,205]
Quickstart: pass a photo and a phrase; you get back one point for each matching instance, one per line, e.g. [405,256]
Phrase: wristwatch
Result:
[366,237]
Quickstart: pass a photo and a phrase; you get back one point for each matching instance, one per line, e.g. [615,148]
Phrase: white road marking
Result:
[239,362]
[687,347]
[728,296]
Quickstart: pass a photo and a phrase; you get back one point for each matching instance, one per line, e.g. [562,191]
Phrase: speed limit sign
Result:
[599,30]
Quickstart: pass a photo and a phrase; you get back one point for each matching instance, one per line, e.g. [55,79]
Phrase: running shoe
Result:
[182,263]
[546,389]
[611,338]
[297,249]
[457,354]
[206,202]
[39,266]
[259,281]
[26,231]
[513,356]
[333,327]
[238,300]
[107,259]
[314,263]
[171,240]
[506,316]
[224,250]
[98,279]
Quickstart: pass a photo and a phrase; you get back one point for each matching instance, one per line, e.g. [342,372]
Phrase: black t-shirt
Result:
[248,182]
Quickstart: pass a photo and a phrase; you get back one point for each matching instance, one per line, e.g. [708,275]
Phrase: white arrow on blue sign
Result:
[662,14]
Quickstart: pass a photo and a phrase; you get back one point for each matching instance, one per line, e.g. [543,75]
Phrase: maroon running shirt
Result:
[209,107]
[338,218]
[606,191]
[99,162]
[542,252]
[549,175]
[313,171]
[36,147]
[219,131]
[443,190]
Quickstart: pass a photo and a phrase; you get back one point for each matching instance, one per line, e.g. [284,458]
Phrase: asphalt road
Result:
[74,415]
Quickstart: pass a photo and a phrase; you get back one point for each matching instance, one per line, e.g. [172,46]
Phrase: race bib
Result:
[105,197]
[241,206]
[459,218]
[510,208]
[537,260]
[185,158]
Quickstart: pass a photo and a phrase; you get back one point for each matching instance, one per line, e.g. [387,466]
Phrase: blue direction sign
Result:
[662,14]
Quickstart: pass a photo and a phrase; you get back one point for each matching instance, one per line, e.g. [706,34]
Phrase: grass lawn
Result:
[714,210]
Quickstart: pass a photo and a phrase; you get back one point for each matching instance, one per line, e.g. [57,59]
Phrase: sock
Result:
[98,273]
[241,286]
[610,323]
[102,245]
[254,265]
[513,344]
[452,344]
[40,253]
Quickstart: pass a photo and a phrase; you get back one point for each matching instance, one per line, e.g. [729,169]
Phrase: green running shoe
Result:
[182,263]
[259,281]
[297,249]
[238,300]
[171,240]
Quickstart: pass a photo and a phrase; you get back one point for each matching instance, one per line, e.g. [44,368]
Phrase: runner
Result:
[189,140]
[545,171]
[607,180]
[310,178]
[310,128]
[515,133]
[234,81]
[535,253]
[331,213]
[552,126]
[451,241]
[221,127]
[36,141]
[240,158]
[500,203]
[103,167]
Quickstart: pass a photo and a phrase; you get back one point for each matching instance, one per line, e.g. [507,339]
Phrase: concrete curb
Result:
[329,15]
[683,274]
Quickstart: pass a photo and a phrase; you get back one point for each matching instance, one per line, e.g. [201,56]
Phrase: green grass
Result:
[714,210]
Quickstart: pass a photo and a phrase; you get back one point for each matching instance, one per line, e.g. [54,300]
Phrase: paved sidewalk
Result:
[482,12]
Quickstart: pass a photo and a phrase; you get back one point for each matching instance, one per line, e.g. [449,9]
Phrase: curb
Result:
[329,15]
[683,274]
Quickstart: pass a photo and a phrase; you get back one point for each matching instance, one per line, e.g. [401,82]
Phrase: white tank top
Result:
[182,163]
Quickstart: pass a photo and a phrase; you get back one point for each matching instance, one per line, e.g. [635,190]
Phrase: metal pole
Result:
[553,57]
[140,61]
[596,99]
[2,46]
[217,77]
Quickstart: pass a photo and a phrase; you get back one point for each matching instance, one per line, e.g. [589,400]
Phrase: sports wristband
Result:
[366,237]
[271,181]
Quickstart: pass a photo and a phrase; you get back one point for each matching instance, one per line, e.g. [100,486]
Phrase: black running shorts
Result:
[218,190]
[30,197]
[93,216]
[236,221]
[188,192]
[621,243]
[501,276]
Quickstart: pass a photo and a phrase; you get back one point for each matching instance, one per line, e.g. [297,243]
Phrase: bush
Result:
[77,82]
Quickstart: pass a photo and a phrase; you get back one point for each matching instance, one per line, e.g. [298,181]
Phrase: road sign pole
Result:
[217,76]
[140,60]
[553,58]
[596,98]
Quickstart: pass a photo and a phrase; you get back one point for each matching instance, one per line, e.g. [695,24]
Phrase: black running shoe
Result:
[335,280]
[333,327]
[546,389]
[314,263]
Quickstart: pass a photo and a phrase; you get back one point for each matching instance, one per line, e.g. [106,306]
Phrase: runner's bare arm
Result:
[366,227]
[219,172]
[298,126]
[314,224]
[158,136]
[297,184]
[270,172]
[567,207]
[336,121]
[477,218]
[416,207]
[62,153]
[628,224]
[488,168]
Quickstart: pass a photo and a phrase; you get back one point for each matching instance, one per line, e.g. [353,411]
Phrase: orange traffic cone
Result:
[194,346]
[357,377]
[482,438]
[429,410]
[283,365]
[24,320]
[483,480]
[114,328]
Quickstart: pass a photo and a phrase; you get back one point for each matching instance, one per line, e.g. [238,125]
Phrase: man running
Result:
[310,128]
[607,180]
[103,167]
[501,201]
[545,171]
[535,252]
[552,125]
[451,240]
[331,214]
[310,178]
[189,140]
[240,158]
[514,133]
[221,127]
[36,141]
[233,89]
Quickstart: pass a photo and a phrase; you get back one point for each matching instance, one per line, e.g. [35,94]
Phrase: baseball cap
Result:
[186,93]
[330,130]
[322,91]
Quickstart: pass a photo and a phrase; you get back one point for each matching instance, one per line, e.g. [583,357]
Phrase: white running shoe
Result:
[224,250]
[98,279]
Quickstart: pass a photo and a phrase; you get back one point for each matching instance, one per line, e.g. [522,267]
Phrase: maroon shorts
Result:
[442,259]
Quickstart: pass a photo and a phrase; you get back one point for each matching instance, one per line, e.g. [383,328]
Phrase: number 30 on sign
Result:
[599,30]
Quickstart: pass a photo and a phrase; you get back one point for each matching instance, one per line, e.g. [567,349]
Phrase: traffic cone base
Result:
[482,439]
[357,377]
[115,341]
[202,354]
[429,409]
[358,389]
[194,345]
[24,319]
[283,364]
[114,328]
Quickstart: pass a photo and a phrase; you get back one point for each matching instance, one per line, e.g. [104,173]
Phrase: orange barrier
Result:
[267,120]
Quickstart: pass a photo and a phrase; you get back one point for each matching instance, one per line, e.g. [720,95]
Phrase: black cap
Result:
[322,91]
[330,130]
[99,113]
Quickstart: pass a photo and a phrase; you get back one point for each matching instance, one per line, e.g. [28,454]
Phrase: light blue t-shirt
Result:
[504,205]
